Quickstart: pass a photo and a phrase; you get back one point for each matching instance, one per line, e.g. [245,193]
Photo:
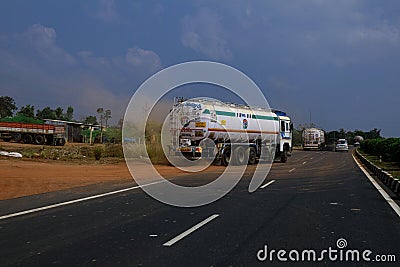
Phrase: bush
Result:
[98,152]
[388,149]
[112,150]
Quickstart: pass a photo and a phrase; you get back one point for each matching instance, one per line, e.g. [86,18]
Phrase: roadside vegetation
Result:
[384,152]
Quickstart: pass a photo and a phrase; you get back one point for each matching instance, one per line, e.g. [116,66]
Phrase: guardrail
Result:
[384,176]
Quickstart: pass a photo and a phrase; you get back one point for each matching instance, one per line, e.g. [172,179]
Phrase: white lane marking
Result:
[267,184]
[189,231]
[292,169]
[311,158]
[304,162]
[73,201]
[393,204]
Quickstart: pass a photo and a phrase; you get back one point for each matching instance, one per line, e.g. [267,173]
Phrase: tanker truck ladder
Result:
[173,122]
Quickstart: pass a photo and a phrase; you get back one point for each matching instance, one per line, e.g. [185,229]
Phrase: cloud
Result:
[106,11]
[34,69]
[204,33]
[143,58]
[43,40]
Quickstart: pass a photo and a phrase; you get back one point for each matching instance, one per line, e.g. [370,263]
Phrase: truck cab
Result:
[284,149]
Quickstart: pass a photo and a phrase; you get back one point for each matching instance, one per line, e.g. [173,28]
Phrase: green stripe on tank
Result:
[233,114]
[225,113]
[261,117]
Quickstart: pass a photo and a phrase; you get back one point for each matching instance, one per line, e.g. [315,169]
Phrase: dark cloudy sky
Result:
[338,60]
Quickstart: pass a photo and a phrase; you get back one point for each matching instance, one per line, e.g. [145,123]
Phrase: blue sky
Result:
[339,60]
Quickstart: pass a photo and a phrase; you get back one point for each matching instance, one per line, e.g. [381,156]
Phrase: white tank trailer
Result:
[204,127]
[313,138]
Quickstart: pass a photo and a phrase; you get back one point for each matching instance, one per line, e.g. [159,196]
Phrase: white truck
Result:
[313,138]
[204,127]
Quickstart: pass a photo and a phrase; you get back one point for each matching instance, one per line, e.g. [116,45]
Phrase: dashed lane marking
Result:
[267,184]
[190,230]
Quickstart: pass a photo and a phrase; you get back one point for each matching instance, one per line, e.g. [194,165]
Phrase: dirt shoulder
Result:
[35,175]
[23,177]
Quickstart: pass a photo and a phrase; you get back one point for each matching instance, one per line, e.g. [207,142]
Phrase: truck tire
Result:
[49,140]
[28,139]
[226,156]
[252,156]
[284,156]
[241,155]
[39,139]
[17,137]
[60,142]
[6,139]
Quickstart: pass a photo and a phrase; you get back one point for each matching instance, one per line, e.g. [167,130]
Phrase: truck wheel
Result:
[226,156]
[252,156]
[49,140]
[17,137]
[241,155]
[60,142]
[6,139]
[28,139]
[39,139]
[284,156]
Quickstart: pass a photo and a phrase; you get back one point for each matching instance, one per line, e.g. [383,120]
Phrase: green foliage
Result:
[7,106]
[113,151]
[113,134]
[22,119]
[27,111]
[46,113]
[90,120]
[98,152]
[59,113]
[388,149]
[333,136]
[296,139]
[70,114]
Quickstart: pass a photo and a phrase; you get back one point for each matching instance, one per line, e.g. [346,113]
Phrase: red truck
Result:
[29,133]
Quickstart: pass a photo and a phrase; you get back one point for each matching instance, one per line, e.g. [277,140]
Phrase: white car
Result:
[342,145]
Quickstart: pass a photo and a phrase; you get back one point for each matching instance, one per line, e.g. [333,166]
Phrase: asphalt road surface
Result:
[308,203]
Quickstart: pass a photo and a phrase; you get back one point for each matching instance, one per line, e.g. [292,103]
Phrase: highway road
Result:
[309,203]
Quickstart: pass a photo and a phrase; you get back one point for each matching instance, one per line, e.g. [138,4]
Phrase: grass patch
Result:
[392,167]
[69,152]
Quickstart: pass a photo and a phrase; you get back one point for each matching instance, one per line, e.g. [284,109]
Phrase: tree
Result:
[373,134]
[27,111]
[59,113]
[7,106]
[46,113]
[90,120]
[101,112]
[107,116]
[70,113]
[296,137]
[301,127]
[120,122]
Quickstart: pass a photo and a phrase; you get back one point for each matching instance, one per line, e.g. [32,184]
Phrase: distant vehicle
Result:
[313,138]
[36,133]
[342,145]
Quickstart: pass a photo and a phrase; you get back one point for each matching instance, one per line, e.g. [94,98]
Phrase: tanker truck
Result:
[229,132]
[313,138]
